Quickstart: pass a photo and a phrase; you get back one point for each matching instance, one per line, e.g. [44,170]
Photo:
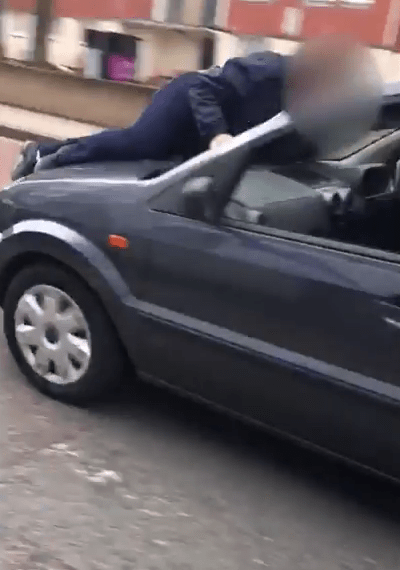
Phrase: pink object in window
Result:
[121,68]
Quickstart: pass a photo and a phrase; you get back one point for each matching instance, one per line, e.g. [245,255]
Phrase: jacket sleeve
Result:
[206,110]
[234,80]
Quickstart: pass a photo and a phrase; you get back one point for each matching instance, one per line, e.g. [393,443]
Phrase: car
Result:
[269,290]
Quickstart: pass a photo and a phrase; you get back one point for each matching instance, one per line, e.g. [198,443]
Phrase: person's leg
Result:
[26,160]
[47,148]
[157,134]
[165,128]
[30,153]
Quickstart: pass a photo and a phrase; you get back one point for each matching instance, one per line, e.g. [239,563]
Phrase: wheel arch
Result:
[34,240]
[28,259]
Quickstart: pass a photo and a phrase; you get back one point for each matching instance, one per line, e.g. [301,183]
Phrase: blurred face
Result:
[333,90]
[322,71]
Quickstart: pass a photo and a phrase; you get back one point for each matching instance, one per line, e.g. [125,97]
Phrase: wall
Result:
[66,46]
[376,24]
[226,46]
[145,68]
[282,45]
[104,103]
[366,22]
[192,12]
[19,28]
[388,63]
[104,9]
[176,51]
[222,15]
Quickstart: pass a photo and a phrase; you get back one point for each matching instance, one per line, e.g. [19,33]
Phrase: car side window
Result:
[301,200]
[270,199]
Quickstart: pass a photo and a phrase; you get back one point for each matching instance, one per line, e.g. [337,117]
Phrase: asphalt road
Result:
[152,482]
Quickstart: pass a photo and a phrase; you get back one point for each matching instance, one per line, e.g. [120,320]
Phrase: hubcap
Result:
[53,334]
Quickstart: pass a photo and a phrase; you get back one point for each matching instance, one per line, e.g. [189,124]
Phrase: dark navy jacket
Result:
[243,93]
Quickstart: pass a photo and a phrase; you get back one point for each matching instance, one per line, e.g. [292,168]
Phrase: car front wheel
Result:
[60,335]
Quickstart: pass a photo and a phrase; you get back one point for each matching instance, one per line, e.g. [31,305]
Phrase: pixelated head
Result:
[333,90]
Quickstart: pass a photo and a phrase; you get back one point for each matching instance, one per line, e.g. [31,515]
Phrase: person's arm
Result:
[206,111]
[220,140]
[235,79]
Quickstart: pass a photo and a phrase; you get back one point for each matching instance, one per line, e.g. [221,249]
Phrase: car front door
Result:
[289,331]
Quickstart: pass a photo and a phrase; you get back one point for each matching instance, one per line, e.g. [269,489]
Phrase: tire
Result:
[99,348]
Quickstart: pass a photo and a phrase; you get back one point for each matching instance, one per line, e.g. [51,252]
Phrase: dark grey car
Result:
[272,291]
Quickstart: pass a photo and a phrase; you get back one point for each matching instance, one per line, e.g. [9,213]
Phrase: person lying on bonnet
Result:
[201,110]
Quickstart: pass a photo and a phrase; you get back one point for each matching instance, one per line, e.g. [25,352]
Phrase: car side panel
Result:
[328,305]
[346,420]
[290,335]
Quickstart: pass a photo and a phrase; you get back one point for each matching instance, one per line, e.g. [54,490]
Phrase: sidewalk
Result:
[16,119]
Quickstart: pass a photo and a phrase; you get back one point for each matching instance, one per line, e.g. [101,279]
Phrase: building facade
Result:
[173,36]
[281,24]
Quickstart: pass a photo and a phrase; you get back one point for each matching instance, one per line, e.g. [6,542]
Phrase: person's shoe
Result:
[46,163]
[26,160]
[53,160]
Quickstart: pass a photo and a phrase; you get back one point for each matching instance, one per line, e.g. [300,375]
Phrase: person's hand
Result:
[220,140]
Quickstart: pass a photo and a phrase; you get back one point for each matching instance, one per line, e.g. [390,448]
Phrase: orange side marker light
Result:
[118,242]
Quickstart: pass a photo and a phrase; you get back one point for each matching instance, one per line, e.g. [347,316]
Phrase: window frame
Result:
[169,198]
[316,241]
[321,243]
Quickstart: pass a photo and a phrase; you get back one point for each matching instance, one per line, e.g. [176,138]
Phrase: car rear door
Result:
[300,334]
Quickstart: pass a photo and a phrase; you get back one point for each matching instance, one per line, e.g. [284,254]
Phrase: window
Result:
[292,21]
[283,192]
[55,30]
[253,44]
[369,139]
[207,54]
[357,3]
[349,3]
[321,2]
[175,10]
[19,26]
[308,200]
[23,29]
[209,13]
[283,200]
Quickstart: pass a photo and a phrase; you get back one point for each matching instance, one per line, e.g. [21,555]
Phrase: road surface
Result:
[151,482]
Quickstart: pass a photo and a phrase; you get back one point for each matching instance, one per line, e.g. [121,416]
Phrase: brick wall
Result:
[103,9]
[366,21]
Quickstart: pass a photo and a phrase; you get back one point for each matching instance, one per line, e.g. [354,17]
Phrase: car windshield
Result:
[372,137]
